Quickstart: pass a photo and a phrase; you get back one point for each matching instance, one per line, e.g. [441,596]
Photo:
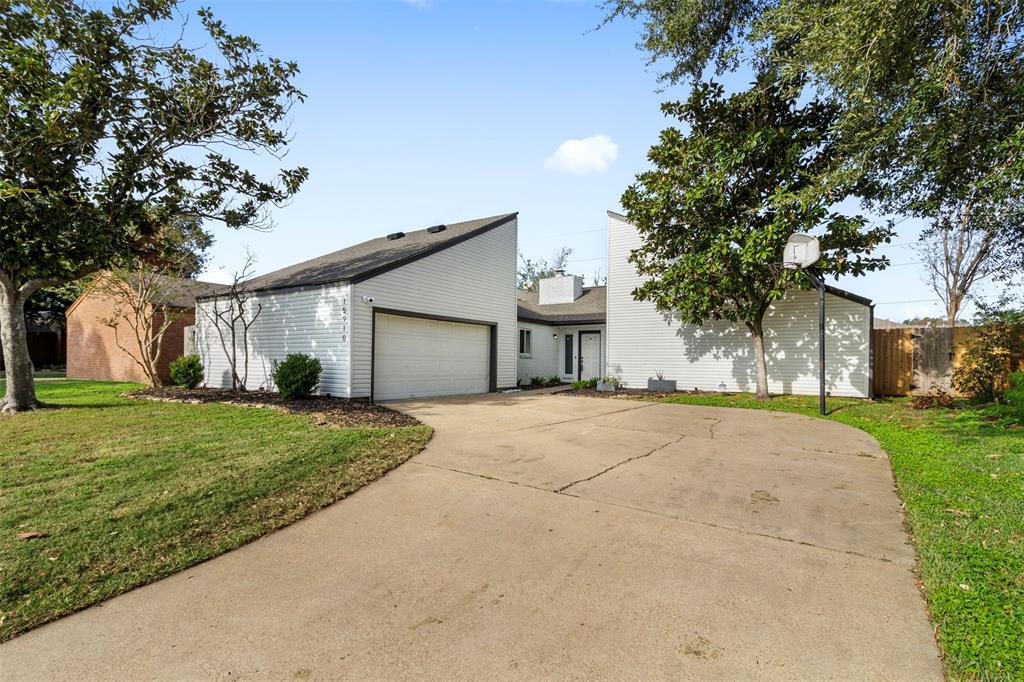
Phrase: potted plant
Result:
[659,384]
[608,384]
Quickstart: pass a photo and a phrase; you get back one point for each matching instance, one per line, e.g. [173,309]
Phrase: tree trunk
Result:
[760,366]
[952,309]
[21,392]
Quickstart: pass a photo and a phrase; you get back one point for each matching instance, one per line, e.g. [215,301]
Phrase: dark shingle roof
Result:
[374,257]
[177,292]
[590,307]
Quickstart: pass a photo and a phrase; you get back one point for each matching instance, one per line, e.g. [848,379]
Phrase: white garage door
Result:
[417,358]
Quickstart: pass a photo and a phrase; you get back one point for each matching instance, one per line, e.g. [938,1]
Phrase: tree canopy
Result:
[108,134]
[931,94]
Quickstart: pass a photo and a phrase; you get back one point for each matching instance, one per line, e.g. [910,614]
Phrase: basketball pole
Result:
[820,282]
[801,252]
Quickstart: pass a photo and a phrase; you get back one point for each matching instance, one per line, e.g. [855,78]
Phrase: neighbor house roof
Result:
[374,257]
[173,292]
[881,323]
[589,308]
[178,292]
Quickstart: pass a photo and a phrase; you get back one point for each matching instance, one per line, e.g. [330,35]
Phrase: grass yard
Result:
[128,491]
[961,477]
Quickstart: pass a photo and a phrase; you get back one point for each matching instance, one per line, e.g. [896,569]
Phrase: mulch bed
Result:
[325,410]
[635,393]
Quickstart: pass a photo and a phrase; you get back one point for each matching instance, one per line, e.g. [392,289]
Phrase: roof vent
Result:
[396,235]
[437,228]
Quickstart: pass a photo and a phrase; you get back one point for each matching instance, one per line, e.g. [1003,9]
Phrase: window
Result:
[525,342]
[568,354]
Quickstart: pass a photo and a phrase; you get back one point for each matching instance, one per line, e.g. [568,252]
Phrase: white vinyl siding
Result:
[541,361]
[642,341]
[315,321]
[418,358]
[548,356]
[473,280]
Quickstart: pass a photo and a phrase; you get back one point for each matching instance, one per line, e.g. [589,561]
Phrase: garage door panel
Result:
[415,358]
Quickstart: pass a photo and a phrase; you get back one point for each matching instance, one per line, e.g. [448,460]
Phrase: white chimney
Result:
[560,288]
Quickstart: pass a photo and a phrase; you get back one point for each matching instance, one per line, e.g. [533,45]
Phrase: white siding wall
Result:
[542,362]
[473,280]
[642,341]
[315,321]
[548,357]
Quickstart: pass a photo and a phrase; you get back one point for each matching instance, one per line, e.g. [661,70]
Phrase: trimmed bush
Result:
[297,376]
[187,371]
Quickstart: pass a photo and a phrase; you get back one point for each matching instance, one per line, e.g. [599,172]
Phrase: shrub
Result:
[297,376]
[584,384]
[187,371]
[553,381]
[537,381]
[988,359]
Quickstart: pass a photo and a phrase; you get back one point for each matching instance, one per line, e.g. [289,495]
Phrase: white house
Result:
[424,313]
[562,330]
[719,355]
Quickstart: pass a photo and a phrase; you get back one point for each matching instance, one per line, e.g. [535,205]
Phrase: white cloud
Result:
[590,155]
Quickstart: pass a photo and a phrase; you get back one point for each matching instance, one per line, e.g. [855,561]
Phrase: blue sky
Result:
[437,111]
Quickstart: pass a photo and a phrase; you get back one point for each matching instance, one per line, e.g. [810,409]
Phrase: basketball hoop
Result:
[802,251]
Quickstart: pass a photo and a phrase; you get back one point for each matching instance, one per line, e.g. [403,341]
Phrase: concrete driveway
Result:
[544,536]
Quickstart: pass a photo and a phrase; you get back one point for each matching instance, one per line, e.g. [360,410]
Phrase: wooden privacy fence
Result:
[914,360]
[893,361]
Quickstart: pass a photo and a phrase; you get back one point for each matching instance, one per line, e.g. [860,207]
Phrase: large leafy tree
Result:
[108,134]
[722,200]
[932,94]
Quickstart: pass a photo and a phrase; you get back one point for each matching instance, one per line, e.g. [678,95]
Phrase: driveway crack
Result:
[581,419]
[618,464]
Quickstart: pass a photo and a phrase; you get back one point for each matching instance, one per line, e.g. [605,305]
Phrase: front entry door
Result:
[590,355]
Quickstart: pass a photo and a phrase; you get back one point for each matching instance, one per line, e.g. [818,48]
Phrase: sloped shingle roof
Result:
[590,307]
[373,257]
[177,292]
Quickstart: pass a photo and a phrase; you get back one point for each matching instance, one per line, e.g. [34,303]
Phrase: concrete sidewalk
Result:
[546,536]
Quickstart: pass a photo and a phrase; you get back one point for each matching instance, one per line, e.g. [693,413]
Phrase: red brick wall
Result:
[93,353]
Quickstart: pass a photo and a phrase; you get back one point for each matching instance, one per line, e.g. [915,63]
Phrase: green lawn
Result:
[128,491]
[961,476]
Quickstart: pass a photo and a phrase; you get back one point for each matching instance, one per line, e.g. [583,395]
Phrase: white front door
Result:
[416,358]
[590,355]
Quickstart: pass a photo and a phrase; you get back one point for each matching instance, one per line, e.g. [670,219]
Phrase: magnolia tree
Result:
[722,200]
[932,122]
[108,134]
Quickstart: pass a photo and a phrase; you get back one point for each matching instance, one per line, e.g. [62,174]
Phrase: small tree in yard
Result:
[107,134]
[721,202]
[231,316]
[143,295]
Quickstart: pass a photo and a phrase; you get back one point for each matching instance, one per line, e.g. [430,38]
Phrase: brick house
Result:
[92,351]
